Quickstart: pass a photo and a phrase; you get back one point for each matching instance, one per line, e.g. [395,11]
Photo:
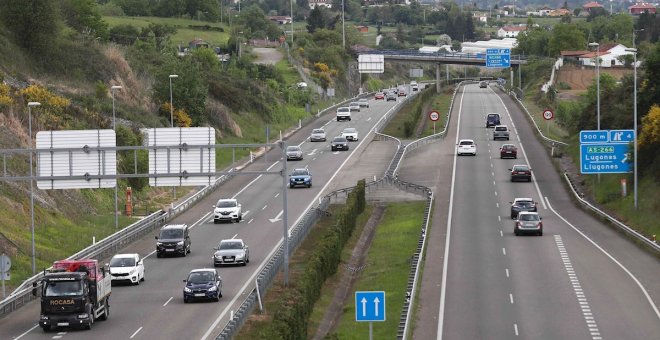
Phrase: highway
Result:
[155,308]
[580,280]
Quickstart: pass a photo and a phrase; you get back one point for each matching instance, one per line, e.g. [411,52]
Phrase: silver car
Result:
[231,251]
[364,102]
[318,135]
[294,152]
[354,106]
[528,223]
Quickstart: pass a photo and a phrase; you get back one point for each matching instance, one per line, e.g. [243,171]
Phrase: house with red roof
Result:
[609,55]
[510,31]
[640,8]
[591,6]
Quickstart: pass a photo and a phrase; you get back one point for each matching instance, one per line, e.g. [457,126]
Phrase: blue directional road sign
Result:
[605,151]
[369,306]
[498,57]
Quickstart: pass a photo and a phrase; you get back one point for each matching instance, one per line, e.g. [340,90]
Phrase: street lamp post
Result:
[343,26]
[112,90]
[634,51]
[595,44]
[34,259]
[171,102]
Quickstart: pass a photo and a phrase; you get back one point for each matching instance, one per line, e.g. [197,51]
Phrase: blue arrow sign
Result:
[369,306]
[605,158]
[594,136]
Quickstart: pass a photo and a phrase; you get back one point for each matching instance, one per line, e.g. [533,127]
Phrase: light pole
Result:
[343,27]
[171,102]
[595,44]
[112,90]
[34,259]
[291,23]
[634,51]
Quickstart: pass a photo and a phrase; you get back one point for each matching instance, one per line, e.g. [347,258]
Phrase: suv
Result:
[492,119]
[528,222]
[227,209]
[204,284]
[501,132]
[300,177]
[522,204]
[173,239]
[391,96]
[343,113]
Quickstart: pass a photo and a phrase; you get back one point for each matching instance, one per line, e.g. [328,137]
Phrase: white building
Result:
[324,3]
[482,46]
[608,54]
[510,31]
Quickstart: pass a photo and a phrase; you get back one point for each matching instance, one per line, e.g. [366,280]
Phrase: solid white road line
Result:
[504,251]
[443,289]
[168,301]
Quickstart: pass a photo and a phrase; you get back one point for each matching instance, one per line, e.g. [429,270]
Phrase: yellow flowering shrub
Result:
[36,93]
[5,98]
[650,133]
[321,67]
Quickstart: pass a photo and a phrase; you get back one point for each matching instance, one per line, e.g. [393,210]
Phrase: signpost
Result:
[434,116]
[5,265]
[548,115]
[498,57]
[605,151]
[370,307]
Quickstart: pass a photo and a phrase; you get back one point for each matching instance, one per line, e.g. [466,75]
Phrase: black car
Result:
[339,143]
[522,204]
[173,240]
[202,284]
[521,172]
[492,119]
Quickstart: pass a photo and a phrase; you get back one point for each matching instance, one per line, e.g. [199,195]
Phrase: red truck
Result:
[74,293]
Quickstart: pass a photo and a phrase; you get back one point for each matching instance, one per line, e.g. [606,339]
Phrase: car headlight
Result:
[240,256]
[83,316]
[159,243]
[131,272]
[180,243]
[213,289]
[218,256]
[45,317]
[187,290]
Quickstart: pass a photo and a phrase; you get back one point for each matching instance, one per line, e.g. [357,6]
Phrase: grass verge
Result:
[403,121]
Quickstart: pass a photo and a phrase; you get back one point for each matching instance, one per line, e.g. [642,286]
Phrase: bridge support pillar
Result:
[511,82]
[437,78]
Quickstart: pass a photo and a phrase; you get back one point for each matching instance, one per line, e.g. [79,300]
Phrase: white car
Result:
[466,147]
[343,113]
[318,135]
[126,268]
[227,209]
[354,106]
[350,134]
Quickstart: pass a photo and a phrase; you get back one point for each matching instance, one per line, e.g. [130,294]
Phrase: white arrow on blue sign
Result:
[370,306]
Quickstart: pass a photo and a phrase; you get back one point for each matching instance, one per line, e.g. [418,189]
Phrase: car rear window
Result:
[500,128]
[318,131]
[524,204]
[521,168]
[529,217]
[465,142]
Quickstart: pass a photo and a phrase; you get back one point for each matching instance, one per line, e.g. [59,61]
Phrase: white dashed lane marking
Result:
[577,288]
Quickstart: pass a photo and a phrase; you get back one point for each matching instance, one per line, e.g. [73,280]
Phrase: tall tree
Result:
[34,24]
[566,37]
[84,17]
[317,19]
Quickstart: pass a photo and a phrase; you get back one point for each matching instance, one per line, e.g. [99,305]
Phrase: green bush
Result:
[295,305]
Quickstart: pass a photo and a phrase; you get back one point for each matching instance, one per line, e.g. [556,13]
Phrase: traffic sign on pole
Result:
[434,116]
[498,57]
[369,306]
[548,114]
[605,151]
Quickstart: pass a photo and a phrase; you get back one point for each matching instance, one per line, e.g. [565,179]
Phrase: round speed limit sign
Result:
[548,114]
[434,116]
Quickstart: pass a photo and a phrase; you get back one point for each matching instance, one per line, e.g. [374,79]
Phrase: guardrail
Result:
[626,229]
[109,245]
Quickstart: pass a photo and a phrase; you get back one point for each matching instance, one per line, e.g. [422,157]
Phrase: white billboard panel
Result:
[78,160]
[371,63]
[176,160]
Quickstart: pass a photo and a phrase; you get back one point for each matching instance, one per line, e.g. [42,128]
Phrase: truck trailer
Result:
[74,293]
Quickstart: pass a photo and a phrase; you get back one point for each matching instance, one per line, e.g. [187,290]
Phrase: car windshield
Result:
[226,204]
[64,288]
[350,130]
[318,131]
[302,172]
[293,149]
[529,217]
[230,245]
[201,277]
[339,139]
[122,262]
[171,233]
[466,142]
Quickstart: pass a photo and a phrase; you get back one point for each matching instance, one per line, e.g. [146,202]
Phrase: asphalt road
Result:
[580,280]
[155,309]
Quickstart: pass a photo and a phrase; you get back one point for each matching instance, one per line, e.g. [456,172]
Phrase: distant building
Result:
[480,16]
[542,12]
[280,19]
[560,12]
[640,8]
[324,3]
[362,29]
[607,53]
[591,6]
[510,31]
[197,43]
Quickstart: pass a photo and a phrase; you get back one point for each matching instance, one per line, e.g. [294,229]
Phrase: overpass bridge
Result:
[447,58]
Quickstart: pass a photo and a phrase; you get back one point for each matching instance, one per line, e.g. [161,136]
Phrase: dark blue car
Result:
[300,177]
[202,284]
